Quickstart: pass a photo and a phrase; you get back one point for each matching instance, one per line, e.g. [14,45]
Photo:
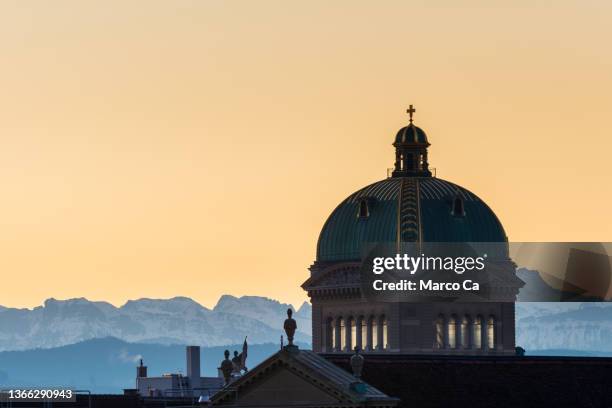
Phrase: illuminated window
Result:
[374,333]
[465,324]
[439,340]
[477,333]
[491,332]
[353,334]
[342,335]
[384,344]
[364,334]
[334,339]
[452,332]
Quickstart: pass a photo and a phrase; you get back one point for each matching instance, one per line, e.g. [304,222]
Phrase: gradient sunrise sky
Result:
[163,148]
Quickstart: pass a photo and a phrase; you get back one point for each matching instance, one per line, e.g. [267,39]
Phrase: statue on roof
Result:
[357,362]
[227,367]
[239,360]
[290,326]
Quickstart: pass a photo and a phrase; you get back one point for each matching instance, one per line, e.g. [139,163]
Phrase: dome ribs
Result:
[408,228]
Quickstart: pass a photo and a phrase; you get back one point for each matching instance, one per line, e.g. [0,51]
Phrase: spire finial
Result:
[410,111]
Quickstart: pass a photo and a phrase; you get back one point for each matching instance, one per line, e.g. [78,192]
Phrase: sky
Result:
[195,148]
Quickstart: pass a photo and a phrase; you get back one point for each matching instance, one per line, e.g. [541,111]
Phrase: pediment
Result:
[281,386]
[294,377]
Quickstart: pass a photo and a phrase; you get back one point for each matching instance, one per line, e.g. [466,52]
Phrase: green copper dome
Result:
[406,209]
[410,206]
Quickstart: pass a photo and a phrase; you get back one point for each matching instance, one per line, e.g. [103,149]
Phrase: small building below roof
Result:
[176,385]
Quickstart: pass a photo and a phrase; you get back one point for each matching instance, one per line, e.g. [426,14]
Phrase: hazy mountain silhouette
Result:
[179,320]
[568,326]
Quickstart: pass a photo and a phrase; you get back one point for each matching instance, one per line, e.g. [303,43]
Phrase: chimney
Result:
[193,366]
[141,370]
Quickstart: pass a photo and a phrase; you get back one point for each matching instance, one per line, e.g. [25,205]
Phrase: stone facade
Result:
[342,318]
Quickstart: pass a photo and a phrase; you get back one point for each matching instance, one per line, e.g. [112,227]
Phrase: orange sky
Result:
[162,148]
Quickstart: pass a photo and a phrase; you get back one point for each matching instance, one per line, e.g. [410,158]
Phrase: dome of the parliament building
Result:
[409,206]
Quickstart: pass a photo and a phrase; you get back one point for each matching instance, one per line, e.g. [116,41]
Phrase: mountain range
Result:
[585,327]
[179,320]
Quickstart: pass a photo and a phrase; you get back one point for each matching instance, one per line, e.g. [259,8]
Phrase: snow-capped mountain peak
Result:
[179,320]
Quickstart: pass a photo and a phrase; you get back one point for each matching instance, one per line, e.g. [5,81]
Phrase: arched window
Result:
[353,333]
[409,161]
[342,335]
[477,333]
[465,325]
[458,208]
[329,334]
[491,332]
[364,211]
[364,334]
[385,328]
[374,333]
[452,332]
[439,326]
[334,340]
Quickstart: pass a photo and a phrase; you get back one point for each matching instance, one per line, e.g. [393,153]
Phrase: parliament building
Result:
[370,352]
[410,206]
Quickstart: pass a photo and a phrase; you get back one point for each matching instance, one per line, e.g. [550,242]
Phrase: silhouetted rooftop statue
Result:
[227,367]
[290,327]
[239,360]
[357,362]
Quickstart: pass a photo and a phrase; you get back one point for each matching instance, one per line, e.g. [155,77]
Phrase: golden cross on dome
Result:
[410,111]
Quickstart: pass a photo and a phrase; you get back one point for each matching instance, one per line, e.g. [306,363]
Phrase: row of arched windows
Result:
[345,333]
[464,332]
